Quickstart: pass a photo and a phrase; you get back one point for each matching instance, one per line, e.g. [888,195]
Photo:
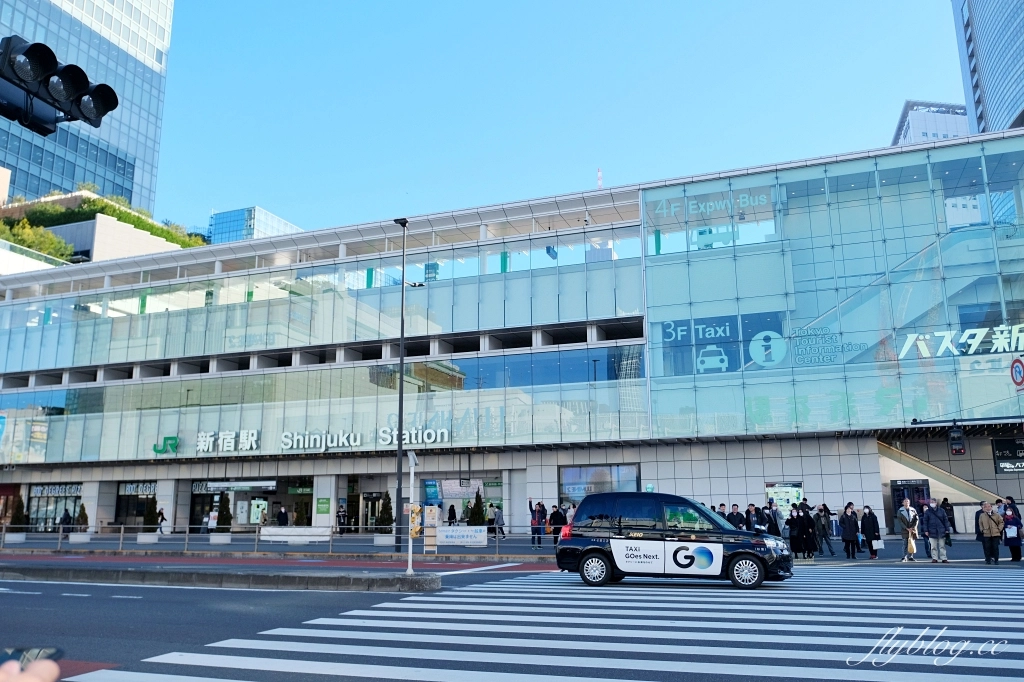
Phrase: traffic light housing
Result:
[415,521]
[956,441]
[39,92]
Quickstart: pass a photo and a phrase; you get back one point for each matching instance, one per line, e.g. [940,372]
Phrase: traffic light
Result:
[415,521]
[39,92]
[956,441]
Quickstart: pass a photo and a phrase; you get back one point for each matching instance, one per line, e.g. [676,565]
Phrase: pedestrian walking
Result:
[160,520]
[282,516]
[65,524]
[787,530]
[499,523]
[807,533]
[570,513]
[991,526]
[948,508]
[804,507]
[263,517]
[1012,505]
[850,530]
[342,519]
[935,526]
[490,519]
[908,520]
[823,530]
[1011,533]
[453,516]
[557,520]
[736,518]
[537,520]
[204,528]
[871,530]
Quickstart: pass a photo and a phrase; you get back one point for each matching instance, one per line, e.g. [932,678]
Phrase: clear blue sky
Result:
[330,113]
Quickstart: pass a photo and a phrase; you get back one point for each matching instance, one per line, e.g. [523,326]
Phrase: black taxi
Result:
[614,535]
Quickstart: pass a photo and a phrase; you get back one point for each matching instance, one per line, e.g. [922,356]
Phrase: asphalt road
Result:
[826,623]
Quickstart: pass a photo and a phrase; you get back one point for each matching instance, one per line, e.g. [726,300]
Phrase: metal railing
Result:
[35,255]
[326,540]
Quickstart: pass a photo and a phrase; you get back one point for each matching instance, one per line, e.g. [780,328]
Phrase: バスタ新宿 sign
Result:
[1008,454]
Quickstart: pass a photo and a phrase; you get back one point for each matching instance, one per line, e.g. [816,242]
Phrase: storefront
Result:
[250,498]
[575,483]
[8,493]
[46,504]
[132,498]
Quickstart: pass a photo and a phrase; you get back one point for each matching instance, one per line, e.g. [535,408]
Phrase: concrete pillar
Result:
[106,502]
[594,333]
[9,295]
[325,488]
[106,281]
[541,338]
[506,498]
[183,506]
[218,268]
[341,498]
[488,342]
[342,251]
[166,499]
[439,347]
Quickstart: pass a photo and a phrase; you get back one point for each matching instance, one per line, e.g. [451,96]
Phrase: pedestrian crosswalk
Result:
[872,623]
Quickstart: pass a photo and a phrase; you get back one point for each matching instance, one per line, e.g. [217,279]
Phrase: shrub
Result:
[224,517]
[49,214]
[18,513]
[477,516]
[300,516]
[36,238]
[149,516]
[82,520]
[386,517]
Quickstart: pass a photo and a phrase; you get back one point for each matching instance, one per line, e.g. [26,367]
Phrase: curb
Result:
[214,554]
[361,582]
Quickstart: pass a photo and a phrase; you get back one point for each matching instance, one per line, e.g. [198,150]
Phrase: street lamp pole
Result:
[404,223]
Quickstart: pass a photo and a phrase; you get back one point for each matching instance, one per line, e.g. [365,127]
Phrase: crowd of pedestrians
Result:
[544,522]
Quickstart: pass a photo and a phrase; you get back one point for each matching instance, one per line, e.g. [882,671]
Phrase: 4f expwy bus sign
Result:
[944,343]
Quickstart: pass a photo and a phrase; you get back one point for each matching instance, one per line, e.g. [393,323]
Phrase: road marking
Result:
[126,676]
[18,592]
[125,596]
[478,569]
[151,587]
[73,594]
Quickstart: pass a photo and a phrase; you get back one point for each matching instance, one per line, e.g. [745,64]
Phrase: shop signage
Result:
[202,487]
[320,442]
[1009,455]
[909,481]
[170,444]
[227,441]
[462,536]
[371,496]
[388,436]
[941,342]
[431,491]
[66,490]
[323,505]
[300,490]
[146,488]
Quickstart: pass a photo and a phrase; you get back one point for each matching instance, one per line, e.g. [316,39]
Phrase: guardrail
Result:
[23,251]
[327,540]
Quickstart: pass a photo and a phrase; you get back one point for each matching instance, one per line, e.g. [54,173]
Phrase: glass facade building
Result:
[823,302]
[990,39]
[123,43]
[247,223]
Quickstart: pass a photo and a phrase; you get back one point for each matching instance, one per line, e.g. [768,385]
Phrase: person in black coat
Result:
[556,521]
[736,518]
[807,533]
[948,508]
[754,517]
[453,517]
[871,530]
[850,527]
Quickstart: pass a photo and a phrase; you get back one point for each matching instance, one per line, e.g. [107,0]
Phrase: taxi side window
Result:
[683,517]
[593,514]
[638,513]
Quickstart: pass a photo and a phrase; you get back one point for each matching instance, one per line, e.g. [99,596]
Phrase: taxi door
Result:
[638,539]
[693,544]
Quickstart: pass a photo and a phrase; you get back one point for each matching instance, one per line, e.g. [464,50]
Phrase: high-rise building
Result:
[930,121]
[119,42]
[247,223]
[990,37]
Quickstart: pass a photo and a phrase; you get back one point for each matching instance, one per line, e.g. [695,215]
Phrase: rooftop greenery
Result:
[23,233]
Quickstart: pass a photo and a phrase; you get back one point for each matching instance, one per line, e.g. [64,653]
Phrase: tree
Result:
[18,199]
[477,516]
[88,187]
[119,200]
[38,239]
[150,516]
[300,516]
[82,520]
[224,517]
[18,514]
[386,517]
[54,193]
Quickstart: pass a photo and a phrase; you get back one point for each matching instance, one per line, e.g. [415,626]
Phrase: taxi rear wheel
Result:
[595,569]
[746,572]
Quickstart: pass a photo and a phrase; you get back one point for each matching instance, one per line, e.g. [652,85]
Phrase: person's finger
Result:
[9,670]
[40,671]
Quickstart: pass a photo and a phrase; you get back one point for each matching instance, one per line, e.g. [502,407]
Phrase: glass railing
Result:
[35,255]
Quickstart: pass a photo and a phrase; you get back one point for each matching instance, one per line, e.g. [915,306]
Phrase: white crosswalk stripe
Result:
[827,623]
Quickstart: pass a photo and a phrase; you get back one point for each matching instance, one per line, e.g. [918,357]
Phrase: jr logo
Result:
[170,443]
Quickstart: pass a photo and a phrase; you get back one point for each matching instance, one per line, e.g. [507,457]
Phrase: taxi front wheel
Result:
[595,569]
[746,572]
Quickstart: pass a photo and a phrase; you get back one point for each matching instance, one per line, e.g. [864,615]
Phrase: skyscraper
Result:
[990,38]
[247,223]
[119,42]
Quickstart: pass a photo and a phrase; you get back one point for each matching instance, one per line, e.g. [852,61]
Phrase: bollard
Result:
[256,545]
[60,537]
[330,543]
[120,542]
[187,529]
[3,535]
